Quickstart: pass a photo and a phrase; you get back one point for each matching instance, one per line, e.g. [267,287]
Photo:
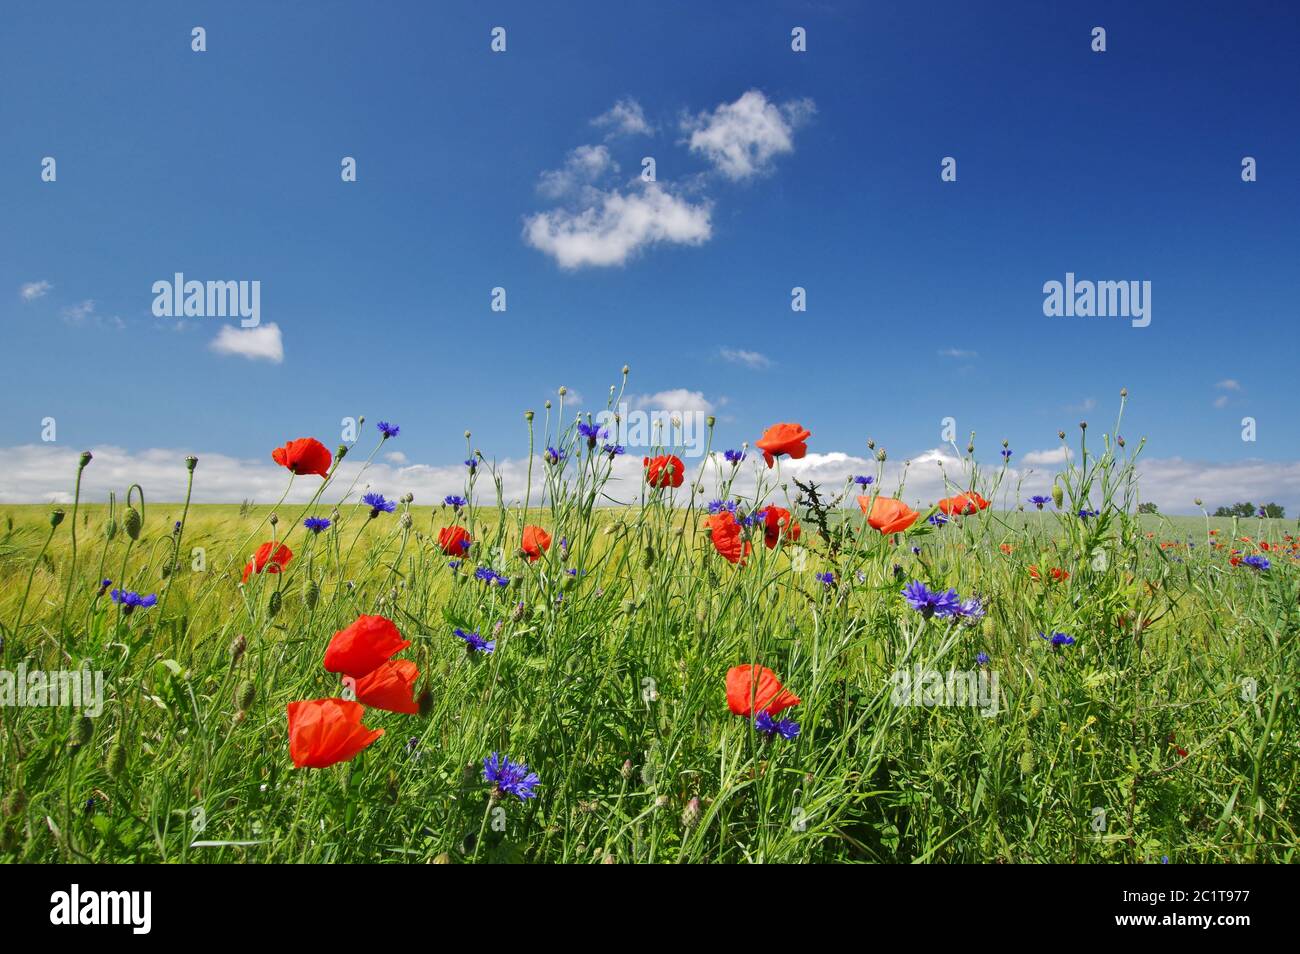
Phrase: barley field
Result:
[797,674]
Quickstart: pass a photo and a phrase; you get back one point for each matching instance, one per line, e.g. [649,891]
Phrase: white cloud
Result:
[76,314]
[1221,401]
[1229,384]
[625,118]
[612,226]
[39,473]
[1087,404]
[30,291]
[676,400]
[262,343]
[396,457]
[582,167]
[1057,455]
[957,353]
[750,359]
[741,138]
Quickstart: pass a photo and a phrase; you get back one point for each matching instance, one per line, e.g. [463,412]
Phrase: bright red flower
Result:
[783,439]
[454,540]
[391,687]
[306,455]
[1006,548]
[364,646]
[264,560]
[887,514]
[1057,573]
[744,698]
[777,522]
[966,503]
[323,732]
[666,470]
[536,541]
[725,532]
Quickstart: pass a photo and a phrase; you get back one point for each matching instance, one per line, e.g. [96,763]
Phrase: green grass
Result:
[1076,765]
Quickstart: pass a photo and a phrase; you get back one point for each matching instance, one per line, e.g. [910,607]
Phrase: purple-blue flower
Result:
[511,778]
[454,502]
[828,578]
[929,603]
[474,642]
[316,524]
[786,728]
[388,430]
[717,506]
[1057,639]
[734,456]
[613,450]
[1085,513]
[593,433]
[131,601]
[982,659]
[1039,501]
[972,608]
[553,456]
[378,504]
[1006,453]
[864,481]
[1256,562]
[938,520]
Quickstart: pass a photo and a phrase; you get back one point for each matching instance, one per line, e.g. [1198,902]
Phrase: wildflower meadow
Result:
[794,673]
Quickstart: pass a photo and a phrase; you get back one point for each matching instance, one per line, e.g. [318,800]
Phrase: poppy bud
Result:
[425,702]
[86,458]
[115,762]
[273,519]
[1083,425]
[56,517]
[1058,495]
[191,462]
[110,529]
[132,523]
[237,647]
[1027,761]
[1123,392]
[1197,501]
[528,416]
[341,452]
[273,605]
[648,557]
[245,695]
[310,593]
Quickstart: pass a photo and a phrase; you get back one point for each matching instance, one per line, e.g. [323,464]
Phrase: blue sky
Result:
[1123,165]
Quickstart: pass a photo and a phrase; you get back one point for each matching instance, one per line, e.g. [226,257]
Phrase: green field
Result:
[1168,728]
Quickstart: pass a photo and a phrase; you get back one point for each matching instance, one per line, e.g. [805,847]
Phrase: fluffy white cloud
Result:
[750,359]
[262,343]
[624,118]
[30,291]
[674,400]
[741,138]
[611,226]
[583,166]
[1229,384]
[1057,455]
[957,353]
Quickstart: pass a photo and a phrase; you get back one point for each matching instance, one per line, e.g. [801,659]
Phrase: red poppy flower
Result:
[1057,573]
[777,522]
[264,560]
[323,732]
[306,455]
[745,698]
[887,514]
[963,504]
[725,532]
[454,540]
[391,687]
[784,439]
[1006,548]
[364,646]
[667,470]
[535,542]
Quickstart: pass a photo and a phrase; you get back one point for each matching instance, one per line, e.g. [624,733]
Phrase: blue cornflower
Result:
[613,450]
[757,517]
[176,528]
[511,778]
[1039,501]
[388,430]
[929,603]
[553,456]
[1006,453]
[486,574]
[972,608]
[316,524]
[828,578]
[982,659]
[734,456]
[864,481]
[1057,639]
[717,506]
[1261,512]
[454,564]
[1085,513]
[454,502]
[786,728]
[131,601]
[471,463]
[938,520]
[593,433]
[474,642]
[378,504]
[1256,562]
